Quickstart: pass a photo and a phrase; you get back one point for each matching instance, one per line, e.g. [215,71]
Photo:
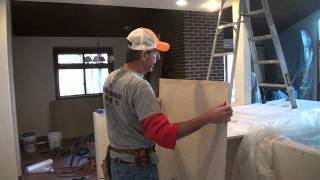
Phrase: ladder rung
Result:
[267,62]
[272,85]
[222,54]
[261,38]
[254,13]
[227,25]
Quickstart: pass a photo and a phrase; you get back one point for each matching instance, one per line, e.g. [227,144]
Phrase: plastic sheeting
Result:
[255,92]
[299,48]
[307,70]
[254,157]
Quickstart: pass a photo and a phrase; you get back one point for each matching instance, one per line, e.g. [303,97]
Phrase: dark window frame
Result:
[80,50]
[318,58]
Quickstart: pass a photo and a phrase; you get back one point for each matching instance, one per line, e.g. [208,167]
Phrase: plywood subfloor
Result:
[43,153]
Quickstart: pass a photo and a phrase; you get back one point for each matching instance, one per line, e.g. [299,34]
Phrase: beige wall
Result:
[9,155]
[34,77]
[73,117]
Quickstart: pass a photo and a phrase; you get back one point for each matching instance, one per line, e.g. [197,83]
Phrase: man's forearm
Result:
[187,127]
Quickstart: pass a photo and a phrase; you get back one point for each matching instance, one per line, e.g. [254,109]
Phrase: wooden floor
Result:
[60,163]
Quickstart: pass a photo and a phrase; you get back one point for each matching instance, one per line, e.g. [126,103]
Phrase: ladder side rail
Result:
[253,50]
[275,38]
[215,39]
[279,52]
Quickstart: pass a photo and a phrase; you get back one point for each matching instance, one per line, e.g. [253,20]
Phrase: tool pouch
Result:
[143,157]
[106,165]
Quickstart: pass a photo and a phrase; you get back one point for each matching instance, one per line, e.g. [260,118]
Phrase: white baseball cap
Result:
[146,39]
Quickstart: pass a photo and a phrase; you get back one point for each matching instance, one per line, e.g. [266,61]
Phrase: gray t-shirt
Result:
[128,99]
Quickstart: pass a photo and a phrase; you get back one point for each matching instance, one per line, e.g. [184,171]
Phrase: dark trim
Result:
[56,74]
[84,81]
[83,50]
[82,66]
[318,69]
[318,61]
[225,73]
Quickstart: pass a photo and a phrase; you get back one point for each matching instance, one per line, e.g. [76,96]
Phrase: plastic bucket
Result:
[29,142]
[54,139]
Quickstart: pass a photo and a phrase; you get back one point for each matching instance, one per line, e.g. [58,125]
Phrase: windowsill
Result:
[79,96]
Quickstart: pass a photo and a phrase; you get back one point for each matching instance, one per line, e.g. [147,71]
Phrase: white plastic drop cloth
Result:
[273,123]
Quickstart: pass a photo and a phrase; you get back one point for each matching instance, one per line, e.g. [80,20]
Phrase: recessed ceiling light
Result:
[211,5]
[181,2]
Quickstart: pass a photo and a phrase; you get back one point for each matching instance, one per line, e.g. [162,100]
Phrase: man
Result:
[135,122]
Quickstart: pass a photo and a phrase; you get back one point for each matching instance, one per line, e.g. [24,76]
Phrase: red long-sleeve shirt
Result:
[158,129]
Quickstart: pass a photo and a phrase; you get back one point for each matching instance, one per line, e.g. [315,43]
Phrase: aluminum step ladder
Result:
[265,11]
[220,27]
[246,14]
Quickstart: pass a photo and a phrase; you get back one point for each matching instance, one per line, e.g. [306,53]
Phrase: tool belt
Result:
[142,158]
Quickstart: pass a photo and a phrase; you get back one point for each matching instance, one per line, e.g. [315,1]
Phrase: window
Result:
[81,72]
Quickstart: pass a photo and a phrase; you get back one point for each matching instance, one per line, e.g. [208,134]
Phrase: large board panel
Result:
[202,154]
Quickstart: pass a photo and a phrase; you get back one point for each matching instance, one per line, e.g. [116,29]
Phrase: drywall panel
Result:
[200,155]
[292,161]
[9,152]
[101,140]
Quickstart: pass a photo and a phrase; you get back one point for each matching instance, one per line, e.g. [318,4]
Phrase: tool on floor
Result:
[40,167]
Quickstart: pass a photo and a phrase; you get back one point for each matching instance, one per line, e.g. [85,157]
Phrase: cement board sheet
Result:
[201,155]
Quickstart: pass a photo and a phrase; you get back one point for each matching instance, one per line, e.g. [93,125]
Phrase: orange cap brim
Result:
[163,46]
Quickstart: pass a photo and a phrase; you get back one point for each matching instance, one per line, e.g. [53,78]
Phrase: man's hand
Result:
[219,113]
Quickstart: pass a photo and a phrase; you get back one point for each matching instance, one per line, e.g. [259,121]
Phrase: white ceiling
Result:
[193,5]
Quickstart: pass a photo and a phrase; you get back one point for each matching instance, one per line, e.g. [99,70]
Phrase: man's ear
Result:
[143,55]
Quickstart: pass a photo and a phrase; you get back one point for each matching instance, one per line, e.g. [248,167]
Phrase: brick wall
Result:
[191,36]
[199,30]
[169,25]
[171,28]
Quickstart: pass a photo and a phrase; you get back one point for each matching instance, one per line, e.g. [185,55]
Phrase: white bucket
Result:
[29,141]
[54,139]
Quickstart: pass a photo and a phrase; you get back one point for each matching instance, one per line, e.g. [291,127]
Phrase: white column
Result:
[9,151]
[243,67]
